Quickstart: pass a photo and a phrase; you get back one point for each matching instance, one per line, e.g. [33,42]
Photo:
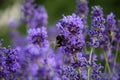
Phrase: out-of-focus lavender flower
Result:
[44,63]
[16,38]
[2,62]
[39,18]
[41,59]
[116,36]
[38,36]
[82,8]
[111,27]
[52,33]
[28,9]
[70,36]
[13,23]
[33,50]
[34,17]
[82,11]
[110,22]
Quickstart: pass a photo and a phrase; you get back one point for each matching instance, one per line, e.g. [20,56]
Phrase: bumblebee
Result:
[59,40]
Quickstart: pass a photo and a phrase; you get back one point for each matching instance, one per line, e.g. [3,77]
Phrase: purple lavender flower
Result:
[111,26]
[97,75]
[110,21]
[82,62]
[27,9]
[82,11]
[96,72]
[41,61]
[116,36]
[69,73]
[13,24]
[70,25]
[38,36]
[71,31]
[2,62]
[34,17]
[96,69]
[9,66]
[36,60]
[17,39]
[39,18]
[96,11]
[96,33]
[44,63]
[82,8]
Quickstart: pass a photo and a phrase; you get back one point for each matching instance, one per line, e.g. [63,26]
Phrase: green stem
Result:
[105,69]
[89,68]
[107,64]
[90,57]
[116,54]
[115,60]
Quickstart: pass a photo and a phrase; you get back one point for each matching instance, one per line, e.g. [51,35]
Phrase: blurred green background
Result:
[55,9]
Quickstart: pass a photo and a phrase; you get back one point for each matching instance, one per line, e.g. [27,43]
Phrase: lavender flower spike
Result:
[82,11]
[28,9]
[71,30]
[38,36]
[97,27]
[82,8]
[97,11]
[39,18]
[111,22]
